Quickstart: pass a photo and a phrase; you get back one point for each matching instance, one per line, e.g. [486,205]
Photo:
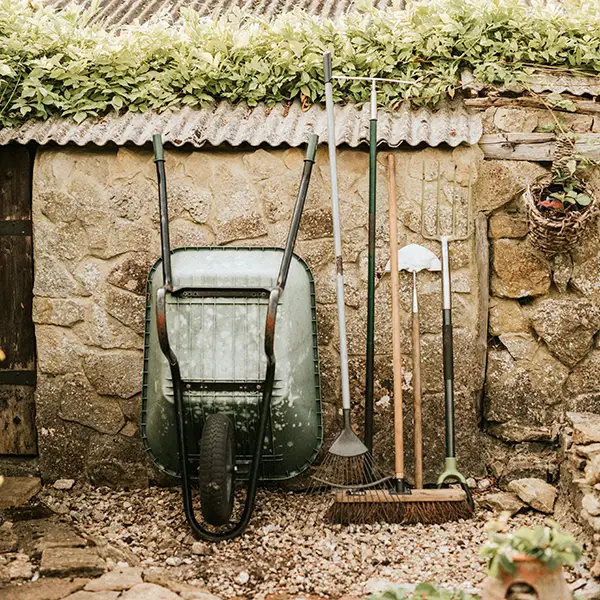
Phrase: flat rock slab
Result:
[198,595]
[38,535]
[586,427]
[8,541]
[42,589]
[118,580]
[535,492]
[504,501]
[81,595]
[16,491]
[71,561]
[149,591]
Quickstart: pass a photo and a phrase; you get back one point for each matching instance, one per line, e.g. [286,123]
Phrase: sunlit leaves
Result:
[64,63]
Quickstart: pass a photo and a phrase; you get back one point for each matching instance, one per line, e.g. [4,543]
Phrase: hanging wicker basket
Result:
[560,234]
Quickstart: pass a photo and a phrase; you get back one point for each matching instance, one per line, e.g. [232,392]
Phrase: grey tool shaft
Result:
[337,238]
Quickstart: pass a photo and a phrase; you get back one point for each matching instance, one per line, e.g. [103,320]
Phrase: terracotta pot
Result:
[548,584]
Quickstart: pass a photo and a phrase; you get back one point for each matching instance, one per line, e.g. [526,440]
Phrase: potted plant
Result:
[560,207]
[532,558]
[423,591]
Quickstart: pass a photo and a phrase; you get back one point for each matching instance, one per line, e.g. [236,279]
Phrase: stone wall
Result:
[96,233]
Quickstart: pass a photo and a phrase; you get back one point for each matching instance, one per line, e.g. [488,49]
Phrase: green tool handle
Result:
[159,151]
[370,357]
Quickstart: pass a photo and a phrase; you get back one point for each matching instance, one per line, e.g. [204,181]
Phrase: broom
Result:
[348,466]
[398,503]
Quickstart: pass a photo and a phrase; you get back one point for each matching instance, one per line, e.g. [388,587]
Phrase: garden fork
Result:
[445,233]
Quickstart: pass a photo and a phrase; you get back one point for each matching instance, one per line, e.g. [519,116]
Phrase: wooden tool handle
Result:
[416,360]
[396,350]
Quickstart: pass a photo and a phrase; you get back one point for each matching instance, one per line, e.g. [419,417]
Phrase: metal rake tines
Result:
[351,473]
[450,215]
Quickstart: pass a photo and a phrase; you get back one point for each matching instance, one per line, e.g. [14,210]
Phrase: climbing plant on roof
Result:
[65,63]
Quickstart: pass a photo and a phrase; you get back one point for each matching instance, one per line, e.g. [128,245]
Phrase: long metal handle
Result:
[417,402]
[337,238]
[370,352]
[448,351]
[159,159]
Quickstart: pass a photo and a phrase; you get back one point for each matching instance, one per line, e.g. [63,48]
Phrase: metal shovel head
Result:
[414,258]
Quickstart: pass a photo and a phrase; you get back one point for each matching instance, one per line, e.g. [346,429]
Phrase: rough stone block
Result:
[525,466]
[149,591]
[117,461]
[539,379]
[59,350]
[585,376]
[116,373]
[52,279]
[18,568]
[518,272]
[58,311]
[80,403]
[535,492]
[65,562]
[8,541]
[117,580]
[130,272]
[16,491]
[500,181]
[506,225]
[506,316]
[316,223]
[240,228]
[82,595]
[503,501]
[520,432]
[567,324]
[100,329]
[515,119]
[522,346]
[48,588]
[128,308]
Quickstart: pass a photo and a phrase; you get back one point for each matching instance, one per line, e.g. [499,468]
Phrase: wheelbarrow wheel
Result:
[216,469]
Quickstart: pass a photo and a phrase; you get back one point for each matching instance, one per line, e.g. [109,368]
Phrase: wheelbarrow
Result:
[231,387]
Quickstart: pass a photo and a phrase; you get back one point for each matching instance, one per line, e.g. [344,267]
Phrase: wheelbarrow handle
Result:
[165,243]
[309,161]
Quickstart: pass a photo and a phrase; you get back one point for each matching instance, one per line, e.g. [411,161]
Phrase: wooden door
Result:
[17,342]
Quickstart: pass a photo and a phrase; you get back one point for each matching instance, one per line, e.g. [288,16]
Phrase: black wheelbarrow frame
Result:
[274,295]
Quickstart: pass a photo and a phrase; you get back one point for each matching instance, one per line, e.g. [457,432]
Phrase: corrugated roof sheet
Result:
[541,81]
[238,124]
[123,12]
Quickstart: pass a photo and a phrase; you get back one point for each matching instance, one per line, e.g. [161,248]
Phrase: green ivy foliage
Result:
[64,63]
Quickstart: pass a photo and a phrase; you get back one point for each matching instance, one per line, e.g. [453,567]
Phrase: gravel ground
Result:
[286,547]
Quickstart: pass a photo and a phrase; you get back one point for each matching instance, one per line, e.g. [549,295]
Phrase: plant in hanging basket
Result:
[559,209]
[531,557]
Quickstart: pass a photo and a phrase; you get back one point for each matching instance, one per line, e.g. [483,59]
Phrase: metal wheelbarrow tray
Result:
[229,360]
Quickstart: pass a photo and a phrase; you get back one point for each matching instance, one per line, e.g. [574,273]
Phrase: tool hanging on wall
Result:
[446,231]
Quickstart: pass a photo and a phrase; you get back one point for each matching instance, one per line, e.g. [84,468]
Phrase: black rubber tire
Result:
[216,469]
